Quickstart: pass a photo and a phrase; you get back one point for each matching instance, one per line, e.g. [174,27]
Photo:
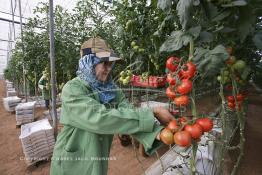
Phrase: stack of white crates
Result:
[37,140]
[25,112]
[11,102]
[10,90]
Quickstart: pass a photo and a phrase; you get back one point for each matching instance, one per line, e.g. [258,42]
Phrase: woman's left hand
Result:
[163,115]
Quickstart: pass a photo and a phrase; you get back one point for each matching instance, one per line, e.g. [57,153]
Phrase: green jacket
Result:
[83,145]
[42,83]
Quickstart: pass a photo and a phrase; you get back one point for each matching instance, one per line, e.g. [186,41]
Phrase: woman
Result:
[93,110]
[43,84]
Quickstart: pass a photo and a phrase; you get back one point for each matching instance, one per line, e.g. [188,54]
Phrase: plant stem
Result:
[191,49]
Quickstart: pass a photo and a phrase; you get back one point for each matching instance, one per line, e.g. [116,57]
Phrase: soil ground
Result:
[11,153]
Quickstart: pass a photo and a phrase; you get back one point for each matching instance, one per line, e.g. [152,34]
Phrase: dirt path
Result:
[252,161]
[126,163]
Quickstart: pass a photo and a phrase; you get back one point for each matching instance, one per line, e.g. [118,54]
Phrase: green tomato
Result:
[129,73]
[226,73]
[226,79]
[135,47]
[219,78]
[125,82]
[128,78]
[239,65]
[129,24]
[133,43]
[121,79]
[122,73]
[141,50]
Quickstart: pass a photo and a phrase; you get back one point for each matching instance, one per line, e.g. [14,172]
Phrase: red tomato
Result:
[173,126]
[166,136]
[240,97]
[195,130]
[182,100]
[205,123]
[182,138]
[170,79]
[231,99]
[188,71]
[170,93]
[185,86]
[172,63]
[231,105]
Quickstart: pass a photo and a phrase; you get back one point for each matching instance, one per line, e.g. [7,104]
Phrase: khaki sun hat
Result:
[100,48]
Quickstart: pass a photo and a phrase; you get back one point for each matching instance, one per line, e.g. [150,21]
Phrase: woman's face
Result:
[103,70]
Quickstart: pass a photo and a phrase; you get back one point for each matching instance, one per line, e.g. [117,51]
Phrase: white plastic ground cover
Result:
[11,102]
[37,140]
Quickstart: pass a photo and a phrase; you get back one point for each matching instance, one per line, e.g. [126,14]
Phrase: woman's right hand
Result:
[163,115]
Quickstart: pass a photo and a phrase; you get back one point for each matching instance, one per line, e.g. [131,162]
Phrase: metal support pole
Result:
[13,18]
[52,63]
[21,27]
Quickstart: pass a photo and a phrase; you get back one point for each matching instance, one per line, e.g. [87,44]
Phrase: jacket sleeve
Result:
[147,139]
[81,110]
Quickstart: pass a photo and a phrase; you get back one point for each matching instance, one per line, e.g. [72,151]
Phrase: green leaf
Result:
[183,10]
[246,73]
[227,30]
[257,39]
[175,41]
[206,37]
[165,5]
[209,62]
[235,3]
[195,31]
[221,16]
[246,23]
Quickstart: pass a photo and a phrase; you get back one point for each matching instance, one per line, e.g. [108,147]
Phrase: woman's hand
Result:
[163,115]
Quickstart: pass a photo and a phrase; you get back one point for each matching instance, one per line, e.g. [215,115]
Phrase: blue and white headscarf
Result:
[86,71]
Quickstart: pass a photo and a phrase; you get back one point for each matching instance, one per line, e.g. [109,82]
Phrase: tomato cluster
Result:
[179,80]
[231,101]
[181,132]
[235,66]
